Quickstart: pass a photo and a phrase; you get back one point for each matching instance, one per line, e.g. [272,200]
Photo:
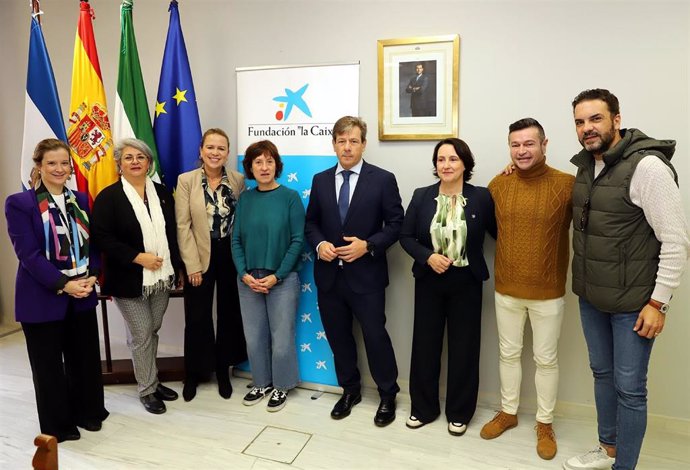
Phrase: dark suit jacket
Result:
[117,233]
[418,98]
[38,280]
[375,214]
[415,237]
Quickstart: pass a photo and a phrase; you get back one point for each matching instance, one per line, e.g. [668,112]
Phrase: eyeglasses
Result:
[584,218]
[129,159]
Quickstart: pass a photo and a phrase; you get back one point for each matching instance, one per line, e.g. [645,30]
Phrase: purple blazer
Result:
[36,299]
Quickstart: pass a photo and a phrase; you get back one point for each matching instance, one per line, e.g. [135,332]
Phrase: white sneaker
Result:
[255,395]
[414,423]
[277,400]
[596,459]
[457,429]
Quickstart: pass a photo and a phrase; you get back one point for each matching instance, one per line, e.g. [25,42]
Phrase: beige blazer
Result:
[193,232]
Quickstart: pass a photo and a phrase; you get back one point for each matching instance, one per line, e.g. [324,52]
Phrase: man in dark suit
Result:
[354,215]
[417,88]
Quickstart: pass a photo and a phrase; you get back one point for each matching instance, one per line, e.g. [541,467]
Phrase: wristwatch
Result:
[370,248]
[663,308]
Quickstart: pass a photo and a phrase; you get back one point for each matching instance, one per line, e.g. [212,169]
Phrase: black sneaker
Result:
[256,394]
[277,400]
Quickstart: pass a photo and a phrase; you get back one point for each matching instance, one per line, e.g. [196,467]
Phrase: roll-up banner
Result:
[295,107]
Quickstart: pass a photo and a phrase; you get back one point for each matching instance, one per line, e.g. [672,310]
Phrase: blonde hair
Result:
[46,145]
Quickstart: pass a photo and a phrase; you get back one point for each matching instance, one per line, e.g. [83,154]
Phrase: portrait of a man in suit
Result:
[420,88]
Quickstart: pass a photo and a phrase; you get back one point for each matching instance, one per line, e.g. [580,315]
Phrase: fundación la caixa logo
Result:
[287,103]
[289,100]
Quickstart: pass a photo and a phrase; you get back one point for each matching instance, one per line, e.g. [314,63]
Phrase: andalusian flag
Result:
[176,125]
[89,128]
[131,116]
[42,112]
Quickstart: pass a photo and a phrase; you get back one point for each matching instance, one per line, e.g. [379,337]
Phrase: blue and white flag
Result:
[176,124]
[42,112]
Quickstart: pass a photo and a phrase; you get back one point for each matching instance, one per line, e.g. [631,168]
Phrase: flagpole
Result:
[36,10]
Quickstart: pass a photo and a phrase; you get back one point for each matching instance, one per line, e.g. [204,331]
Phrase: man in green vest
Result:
[630,244]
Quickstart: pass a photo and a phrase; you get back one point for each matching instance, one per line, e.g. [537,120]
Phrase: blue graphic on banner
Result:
[293,98]
[313,352]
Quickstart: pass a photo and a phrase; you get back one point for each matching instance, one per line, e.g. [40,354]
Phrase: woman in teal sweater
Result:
[266,246]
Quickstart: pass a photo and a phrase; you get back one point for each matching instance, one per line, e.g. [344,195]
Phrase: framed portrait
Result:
[418,87]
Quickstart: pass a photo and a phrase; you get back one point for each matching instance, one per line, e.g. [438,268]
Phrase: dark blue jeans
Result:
[619,359]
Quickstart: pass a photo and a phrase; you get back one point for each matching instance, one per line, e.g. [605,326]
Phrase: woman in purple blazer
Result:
[55,300]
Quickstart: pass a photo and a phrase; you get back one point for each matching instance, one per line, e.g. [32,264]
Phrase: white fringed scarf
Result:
[155,239]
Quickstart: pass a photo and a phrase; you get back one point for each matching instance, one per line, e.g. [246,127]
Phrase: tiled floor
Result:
[212,433]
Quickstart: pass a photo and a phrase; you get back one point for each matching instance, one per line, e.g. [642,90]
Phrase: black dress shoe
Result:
[225,388]
[153,404]
[344,406]
[385,413]
[69,436]
[189,389]
[224,385]
[164,393]
[90,425]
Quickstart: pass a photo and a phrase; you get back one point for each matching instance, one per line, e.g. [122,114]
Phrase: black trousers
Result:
[66,366]
[451,300]
[206,351]
[337,307]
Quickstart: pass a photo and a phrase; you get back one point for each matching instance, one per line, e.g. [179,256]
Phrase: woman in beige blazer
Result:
[205,202]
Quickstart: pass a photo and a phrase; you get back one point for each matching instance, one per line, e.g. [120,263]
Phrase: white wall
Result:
[527,58]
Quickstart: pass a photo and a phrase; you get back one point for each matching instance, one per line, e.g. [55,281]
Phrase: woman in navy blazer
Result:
[54,296]
[444,231]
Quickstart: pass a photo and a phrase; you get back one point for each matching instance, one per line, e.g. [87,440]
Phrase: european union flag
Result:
[176,125]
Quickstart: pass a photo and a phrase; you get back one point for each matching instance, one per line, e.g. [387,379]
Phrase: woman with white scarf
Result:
[134,226]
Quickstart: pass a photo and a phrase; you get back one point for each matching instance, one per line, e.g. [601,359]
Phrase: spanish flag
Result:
[89,132]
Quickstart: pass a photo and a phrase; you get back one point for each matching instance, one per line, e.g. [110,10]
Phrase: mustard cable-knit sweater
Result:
[533,213]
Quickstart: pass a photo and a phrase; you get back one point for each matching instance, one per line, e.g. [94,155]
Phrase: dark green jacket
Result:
[616,254]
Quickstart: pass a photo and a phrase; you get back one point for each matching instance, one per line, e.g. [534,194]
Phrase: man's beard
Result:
[602,144]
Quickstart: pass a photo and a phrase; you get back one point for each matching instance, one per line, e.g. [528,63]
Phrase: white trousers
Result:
[545,317]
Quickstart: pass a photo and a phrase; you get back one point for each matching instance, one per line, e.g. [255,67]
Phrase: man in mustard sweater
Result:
[533,213]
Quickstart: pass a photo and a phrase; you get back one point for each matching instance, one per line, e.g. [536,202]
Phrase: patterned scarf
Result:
[66,235]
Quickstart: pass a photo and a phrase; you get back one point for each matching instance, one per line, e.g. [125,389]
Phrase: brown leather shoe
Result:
[498,425]
[546,441]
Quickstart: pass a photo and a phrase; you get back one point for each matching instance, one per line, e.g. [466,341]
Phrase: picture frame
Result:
[414,105]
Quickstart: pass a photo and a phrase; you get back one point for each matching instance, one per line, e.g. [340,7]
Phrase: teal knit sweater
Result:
[268,231]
